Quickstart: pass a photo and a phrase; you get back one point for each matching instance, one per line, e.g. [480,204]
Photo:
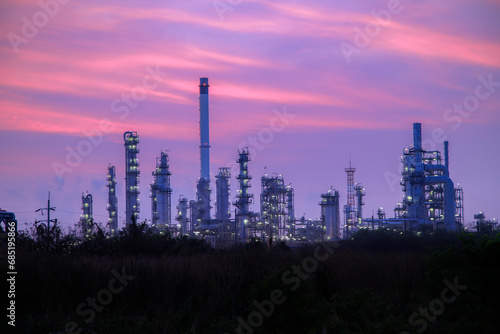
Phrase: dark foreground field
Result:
[381,282]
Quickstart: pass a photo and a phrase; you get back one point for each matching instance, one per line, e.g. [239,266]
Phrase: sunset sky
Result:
[352,76]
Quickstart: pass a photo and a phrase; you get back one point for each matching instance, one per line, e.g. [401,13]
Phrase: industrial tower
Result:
[222,211]
[132,207]
[290,205]
[429,201]
[88,213]
[459,206]
[243,197]
[360,193]
[273,207]
[112,206]
[330,214]
[203,187]
[350,219]
[182,215]
[161,193]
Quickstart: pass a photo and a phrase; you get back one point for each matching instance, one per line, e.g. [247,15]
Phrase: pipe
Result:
[417,136]
[446,155]
[449,199]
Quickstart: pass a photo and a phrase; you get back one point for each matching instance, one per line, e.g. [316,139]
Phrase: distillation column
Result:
[413,182]
[193,214]
[161,193]
[360,193]
[88,214]
[290,208]
[112,206]
[243,197]
[222,192]
[330,214]
[182,215]
[350,220]
[132,207]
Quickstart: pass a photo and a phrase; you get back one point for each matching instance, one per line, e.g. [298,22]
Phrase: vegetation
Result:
[371,284]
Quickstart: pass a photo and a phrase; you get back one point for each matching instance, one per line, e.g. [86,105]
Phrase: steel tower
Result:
[161,193]
[350,221]
[360,193]
[243,197]
[132,207]
[88,213]
[273,204]
[112,206]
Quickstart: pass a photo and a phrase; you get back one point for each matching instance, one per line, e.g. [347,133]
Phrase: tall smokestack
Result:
[204,130]
[203,186]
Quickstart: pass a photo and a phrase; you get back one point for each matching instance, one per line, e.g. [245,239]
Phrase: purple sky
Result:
[352,83]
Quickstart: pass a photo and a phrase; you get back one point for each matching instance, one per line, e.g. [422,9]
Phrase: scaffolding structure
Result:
[161,193]
[244,198]
[132,205]
[350,217]
[273,208]
[112,206]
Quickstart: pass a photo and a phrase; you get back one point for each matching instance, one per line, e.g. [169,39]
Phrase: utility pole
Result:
[48,212]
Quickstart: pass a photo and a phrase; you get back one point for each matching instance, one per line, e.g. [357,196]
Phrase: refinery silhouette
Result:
[430,200]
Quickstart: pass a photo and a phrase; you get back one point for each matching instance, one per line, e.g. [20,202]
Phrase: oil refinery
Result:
[430,200]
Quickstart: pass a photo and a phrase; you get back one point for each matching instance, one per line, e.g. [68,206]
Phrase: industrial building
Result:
[161,193]
[430,199]
[274,208]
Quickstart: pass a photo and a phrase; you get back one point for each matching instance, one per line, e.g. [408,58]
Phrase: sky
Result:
[307,85]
